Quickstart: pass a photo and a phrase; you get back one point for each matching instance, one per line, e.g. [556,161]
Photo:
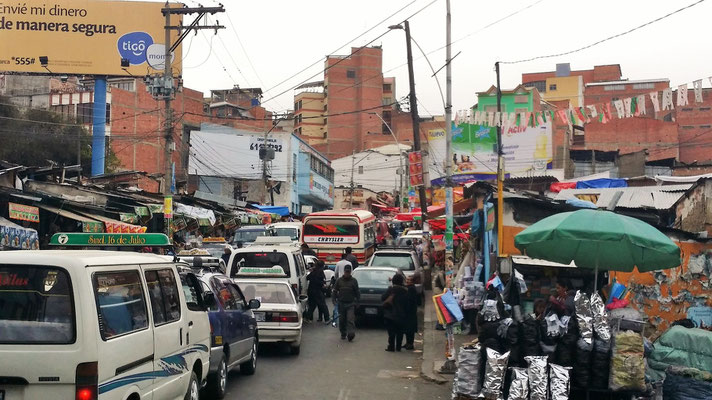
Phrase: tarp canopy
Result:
[686,347]
[601,183]
[556,187]
[195,212]
[279,210]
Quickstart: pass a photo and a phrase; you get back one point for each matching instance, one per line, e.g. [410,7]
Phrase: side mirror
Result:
[209,299]
[303,297]
[254,304]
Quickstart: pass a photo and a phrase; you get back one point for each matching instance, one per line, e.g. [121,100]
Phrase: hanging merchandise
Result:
[600,319]
[538,382]
[519,388]
[559,382]
[494,374]
[553,325]
[627,362]
[584,317]
[467,377]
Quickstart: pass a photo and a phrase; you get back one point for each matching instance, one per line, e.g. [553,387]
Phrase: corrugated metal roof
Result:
[656,197]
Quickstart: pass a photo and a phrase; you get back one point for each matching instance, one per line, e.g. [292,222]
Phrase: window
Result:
[229,297]
[613,87]
[387,87]
[299,262]
[35,305]
[705,126]
[538,85]
[345,228]
[351,74]
[688,127]
[522,99]
[193,290]
[120,303]
[86,110]
[163,291]
[324,134]
[360,169]
[261,260]
[493,108]
[643,86]
[126,85]
[272,293]
[552,86]
[403,261]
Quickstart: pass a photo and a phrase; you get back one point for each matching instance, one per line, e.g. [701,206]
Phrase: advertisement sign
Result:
[18,238]
[527,151]
[85,37]
[168,207]
[23,212]
[233,153]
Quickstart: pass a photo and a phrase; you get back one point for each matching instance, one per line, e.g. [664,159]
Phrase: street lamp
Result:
[400,158]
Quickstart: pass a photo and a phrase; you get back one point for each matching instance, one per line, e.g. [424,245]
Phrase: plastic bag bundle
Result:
[467,377]
[581,373]
[494,374]
[600,319]
[600,363]
[519,388]
[559,382]
[474,293]
[627,362]
[530,337]
[489,311]
[537,377]
[584,316]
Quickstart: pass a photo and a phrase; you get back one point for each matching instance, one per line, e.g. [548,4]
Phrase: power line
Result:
[606,39]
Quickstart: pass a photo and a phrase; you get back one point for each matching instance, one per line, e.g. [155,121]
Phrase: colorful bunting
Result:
[667,100]
[656,103]
[682,95]
[640,105]
[620,108]
[698,90]
[628,105]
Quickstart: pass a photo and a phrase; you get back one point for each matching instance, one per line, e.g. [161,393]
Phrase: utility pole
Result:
[448,137]
[416,121]
[351,189]
[500,170]
[162,87]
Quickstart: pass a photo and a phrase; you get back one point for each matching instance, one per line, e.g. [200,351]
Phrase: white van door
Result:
[170,334]
[125,348]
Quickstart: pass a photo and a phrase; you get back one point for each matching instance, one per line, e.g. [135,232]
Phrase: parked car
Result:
[411,236]
[279,319]
[87,324]
[373,282]
[244,236]
[403,259]
[234,336]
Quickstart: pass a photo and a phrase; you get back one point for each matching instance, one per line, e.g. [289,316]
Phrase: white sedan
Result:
[279,318]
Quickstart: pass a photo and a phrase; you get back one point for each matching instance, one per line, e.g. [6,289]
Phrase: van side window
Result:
[239,301]
[299,263]
[193,292]
[164,296]
[120,303]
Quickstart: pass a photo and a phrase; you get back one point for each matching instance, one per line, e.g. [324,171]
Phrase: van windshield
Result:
[260,259]
[35,305]
[293,233]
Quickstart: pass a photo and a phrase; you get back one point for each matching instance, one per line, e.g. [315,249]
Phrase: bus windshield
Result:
[331,228]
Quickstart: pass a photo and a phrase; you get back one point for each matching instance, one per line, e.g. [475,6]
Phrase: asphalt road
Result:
[329,368]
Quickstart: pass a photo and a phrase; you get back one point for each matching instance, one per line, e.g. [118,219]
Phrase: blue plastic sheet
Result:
[602,183]
[274,209]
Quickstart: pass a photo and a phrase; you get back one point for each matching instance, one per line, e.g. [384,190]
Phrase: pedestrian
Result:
[395,305]
[348,295]
[339,268]
[563,303]
[411,314]
[307,251]
[352,258]
[227,251]
[315,292]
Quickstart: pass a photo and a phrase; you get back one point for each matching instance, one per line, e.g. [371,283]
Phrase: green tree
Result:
[38,138]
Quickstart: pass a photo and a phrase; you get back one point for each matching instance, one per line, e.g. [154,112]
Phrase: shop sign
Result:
[129,218]
[92,227]
[168,207]
[109,239]
[490,218]
[24,213]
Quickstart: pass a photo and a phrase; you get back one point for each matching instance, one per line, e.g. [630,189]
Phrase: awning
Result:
[195,212]
[524,260]
[279,210]
[88,224]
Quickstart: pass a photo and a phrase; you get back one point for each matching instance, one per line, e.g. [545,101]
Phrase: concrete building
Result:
[519,99]
[547,83]
[374,169]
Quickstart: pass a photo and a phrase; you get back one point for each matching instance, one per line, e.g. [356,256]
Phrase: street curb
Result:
[427,373]
[430,343]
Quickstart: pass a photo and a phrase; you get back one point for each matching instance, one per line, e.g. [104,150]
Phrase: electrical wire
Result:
[606,39]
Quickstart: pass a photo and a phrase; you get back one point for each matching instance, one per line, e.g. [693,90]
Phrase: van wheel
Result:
[193,388]
[217,383]
[294,350]
[249,366]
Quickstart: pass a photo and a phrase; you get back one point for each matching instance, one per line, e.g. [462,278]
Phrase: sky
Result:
[266,42]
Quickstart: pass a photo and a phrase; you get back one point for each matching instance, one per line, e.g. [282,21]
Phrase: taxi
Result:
[279,318]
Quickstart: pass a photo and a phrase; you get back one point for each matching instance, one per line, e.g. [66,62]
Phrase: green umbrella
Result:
[599,239]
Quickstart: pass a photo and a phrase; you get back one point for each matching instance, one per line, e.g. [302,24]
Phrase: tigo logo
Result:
[132,46]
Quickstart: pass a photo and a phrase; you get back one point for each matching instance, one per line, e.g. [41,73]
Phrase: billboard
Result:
[84,37]
[527,152]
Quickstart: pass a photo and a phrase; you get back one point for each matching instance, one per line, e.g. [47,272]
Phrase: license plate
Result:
[367,310]
[259,317]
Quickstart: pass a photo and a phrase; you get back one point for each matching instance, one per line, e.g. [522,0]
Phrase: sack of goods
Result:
[538,382]
[584,316]
[494,375]
[467,377]
[627,362]
[581,374]
[600,364]
[519,388]
[683,383]
[559,384]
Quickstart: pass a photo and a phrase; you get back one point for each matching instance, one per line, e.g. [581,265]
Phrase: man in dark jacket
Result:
[347,293]
[352,258]
[395,306]
[316,279]
[411,314]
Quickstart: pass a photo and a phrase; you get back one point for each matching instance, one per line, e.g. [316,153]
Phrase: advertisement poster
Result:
[23,212]
[527,152]
[85,37]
